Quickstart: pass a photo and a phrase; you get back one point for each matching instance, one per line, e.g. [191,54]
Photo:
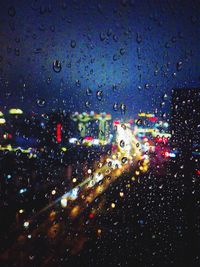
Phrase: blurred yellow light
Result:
[53,192]
[141,114]
[145,168]
[15,111]
[52,215]
[137,172]
[112,205]
[89,171]
[64,149]
[74,180]
[149,115]
[21,211]
[113,156]
[121,194]
[2,121]
[75,211]
[99,231]
[63,202]
[1,114]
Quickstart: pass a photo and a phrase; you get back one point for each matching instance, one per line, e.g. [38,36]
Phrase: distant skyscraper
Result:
[185,123]
[185,127]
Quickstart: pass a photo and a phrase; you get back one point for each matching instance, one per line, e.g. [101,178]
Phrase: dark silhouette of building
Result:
[185,127]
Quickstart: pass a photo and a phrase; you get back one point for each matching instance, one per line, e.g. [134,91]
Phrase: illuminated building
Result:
[185,121]
[93,127]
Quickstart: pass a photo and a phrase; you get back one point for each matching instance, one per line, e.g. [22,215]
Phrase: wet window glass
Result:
[99,133]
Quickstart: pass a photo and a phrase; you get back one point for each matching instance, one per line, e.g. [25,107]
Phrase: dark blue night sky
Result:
[135,52]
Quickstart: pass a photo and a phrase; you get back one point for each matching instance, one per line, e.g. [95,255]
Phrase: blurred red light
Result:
[88,138]
[153,119]
[166,154]
[58,132]
[91,215]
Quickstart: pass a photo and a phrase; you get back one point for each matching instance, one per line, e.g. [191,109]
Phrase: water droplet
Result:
[162,104]
[17,40]
[174,74]
[52,28]
[122,143]
[88,91]
[165,96]
[139,122]
[115,37]
[123,126]
[57,66]
[123,108]
[11,11]
[179,66]
[138,38]
[167,45]
[99,95]
[87,104]
[124,160]
[102,36]
[73,43]
[122,51]
[18,152]
[48,80]
[17,51]
[173,39]
[40,102]
[114,87]
[115,106]
[156,72]
[31,257]
[109,32]
[78,83]
[42,27]
[116,57]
